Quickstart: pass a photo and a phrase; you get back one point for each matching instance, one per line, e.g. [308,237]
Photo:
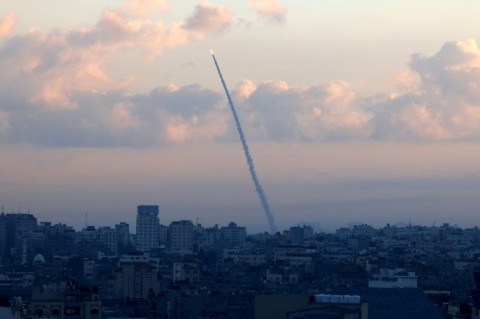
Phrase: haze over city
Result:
[355,111]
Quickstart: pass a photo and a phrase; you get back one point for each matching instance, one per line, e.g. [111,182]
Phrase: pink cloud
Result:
[423,121]
[440,98]
[270,9]
[208,17]
[7,22]
[245,88]
[59,65]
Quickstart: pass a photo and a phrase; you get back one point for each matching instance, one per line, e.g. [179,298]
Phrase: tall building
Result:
[122,233]
[107,239]
[180,236]
[19,228]
[147,227]
[233,235]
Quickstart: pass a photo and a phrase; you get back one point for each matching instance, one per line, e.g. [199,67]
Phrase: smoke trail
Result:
[251,167]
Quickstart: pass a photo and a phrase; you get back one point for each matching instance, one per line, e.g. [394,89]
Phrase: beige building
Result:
[67,301]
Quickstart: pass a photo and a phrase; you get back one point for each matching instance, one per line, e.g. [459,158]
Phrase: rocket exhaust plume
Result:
[251,167]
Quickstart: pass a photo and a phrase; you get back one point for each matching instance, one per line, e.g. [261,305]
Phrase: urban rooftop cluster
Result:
[185,270]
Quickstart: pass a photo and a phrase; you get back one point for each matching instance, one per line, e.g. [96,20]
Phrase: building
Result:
[233,235]
[186,272]
[122,234]
[60,239]
[349,303]
[298,235]
[306,307]
[106,237]
[87,242]
[16,230]
[393,278]
[147,227]
[135,280]
[67,301]
[238,256]
[180,237]
[475,295]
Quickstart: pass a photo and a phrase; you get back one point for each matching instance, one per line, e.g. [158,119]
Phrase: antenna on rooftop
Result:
[86,219]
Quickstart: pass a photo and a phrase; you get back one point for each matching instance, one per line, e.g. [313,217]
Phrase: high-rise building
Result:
[147,227]
[180,236]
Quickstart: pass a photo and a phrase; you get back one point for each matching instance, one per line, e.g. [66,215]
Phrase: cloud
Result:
[56,91]
[278,111]
[52,68]
[208,17]
[160,117]
[7,22]
[442,102]
[270,9]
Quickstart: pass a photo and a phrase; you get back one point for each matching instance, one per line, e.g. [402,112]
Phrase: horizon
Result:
[314,225]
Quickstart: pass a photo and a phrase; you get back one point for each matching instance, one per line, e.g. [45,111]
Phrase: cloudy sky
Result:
[355,111]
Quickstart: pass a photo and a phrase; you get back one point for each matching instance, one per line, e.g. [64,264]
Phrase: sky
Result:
[354,111]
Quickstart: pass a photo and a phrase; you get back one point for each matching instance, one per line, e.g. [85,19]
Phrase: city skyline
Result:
[147,227]
[355,112]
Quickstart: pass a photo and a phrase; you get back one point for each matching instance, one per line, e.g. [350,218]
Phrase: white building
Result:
[147,227]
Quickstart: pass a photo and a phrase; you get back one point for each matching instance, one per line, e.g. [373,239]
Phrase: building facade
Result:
[180,236]
[147,227]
